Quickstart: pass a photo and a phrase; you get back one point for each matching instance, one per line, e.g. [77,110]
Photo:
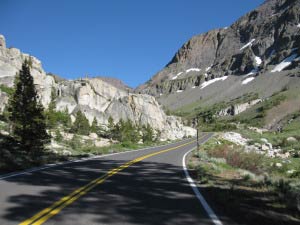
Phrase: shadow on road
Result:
[145,193]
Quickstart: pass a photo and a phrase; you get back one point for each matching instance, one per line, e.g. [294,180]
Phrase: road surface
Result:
[139,187]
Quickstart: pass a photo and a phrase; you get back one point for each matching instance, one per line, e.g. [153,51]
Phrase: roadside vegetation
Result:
[267,188]
[263,175]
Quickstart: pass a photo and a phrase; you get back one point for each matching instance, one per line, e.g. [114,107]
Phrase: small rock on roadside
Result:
[66,152]
[3,132]
[264,140]
[265,147]
[93,135]
[291,139]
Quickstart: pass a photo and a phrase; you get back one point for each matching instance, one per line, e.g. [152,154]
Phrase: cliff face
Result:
[11,60]
[97,98]
[254,45]
[100,100]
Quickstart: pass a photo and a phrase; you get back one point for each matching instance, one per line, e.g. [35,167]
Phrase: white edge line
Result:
[51,165]
[200,197]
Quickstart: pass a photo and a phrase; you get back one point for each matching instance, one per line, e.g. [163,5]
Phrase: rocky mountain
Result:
[116,83]
[11,60]
[98,98]
[258,53]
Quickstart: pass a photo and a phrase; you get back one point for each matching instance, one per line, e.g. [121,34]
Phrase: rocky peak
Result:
[11,60]
[255,43]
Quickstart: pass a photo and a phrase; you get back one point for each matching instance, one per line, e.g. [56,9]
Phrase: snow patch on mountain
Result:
[207,83]
[285,63]
[192,69]
[208,68]
[258,60]
[248,44]
[248,80]
[175,77]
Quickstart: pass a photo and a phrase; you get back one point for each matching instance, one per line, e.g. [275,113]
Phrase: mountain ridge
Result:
[246,47]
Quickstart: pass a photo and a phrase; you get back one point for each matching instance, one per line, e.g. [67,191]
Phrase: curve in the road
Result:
[55,208]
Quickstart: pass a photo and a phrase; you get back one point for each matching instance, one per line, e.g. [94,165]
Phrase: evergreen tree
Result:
[64,118]
[147,133]
[50,113]
[111,123]
[126,131]
[94,127]
[111,128]
[81,124]
[58,136]
[132,132]
[27,115]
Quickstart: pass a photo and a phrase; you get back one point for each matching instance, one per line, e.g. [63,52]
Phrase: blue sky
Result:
[127,39]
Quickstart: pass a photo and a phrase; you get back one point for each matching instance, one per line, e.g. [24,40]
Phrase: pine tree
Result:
[111,123]
[111,128]
[27,116]
[126,132]
[147,134]
[94,127]
[50,113]
[81,124]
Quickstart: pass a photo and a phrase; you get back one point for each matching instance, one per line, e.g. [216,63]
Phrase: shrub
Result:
[238,158]
[81,124]
[55,118]
[58,136]
[75,142]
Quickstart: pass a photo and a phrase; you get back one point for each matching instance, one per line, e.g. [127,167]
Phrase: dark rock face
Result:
[255,43]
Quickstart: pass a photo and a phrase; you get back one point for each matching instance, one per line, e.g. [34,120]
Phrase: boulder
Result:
[291,139]
[3,132]
[258,130]
[235,138]
[264,140]
[66,152]
[257,145]
[265,147]
[67,136]
[102,142]
[93,136]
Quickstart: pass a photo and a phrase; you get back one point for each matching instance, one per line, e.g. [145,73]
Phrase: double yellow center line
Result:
[56,207]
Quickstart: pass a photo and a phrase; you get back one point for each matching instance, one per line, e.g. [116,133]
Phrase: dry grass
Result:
[238,158]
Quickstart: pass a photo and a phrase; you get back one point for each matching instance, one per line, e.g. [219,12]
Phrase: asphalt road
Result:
[139,187]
